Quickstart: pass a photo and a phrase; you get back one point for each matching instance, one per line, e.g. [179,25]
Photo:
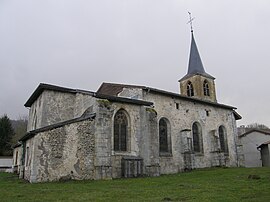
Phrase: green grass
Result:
[217,184]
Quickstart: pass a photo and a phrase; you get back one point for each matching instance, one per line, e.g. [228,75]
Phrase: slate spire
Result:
[195,65]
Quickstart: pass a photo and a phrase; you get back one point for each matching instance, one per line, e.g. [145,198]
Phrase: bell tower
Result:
[197,83]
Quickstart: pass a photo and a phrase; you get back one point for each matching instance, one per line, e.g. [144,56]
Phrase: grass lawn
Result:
[217,184]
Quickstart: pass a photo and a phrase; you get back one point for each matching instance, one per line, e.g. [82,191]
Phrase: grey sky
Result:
[82,43]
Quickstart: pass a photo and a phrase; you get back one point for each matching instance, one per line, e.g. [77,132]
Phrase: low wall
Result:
[6,163]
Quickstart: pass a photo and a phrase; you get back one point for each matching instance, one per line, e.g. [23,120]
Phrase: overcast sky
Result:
[82,43]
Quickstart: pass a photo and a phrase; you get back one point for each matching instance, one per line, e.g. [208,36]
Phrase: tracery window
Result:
[223,139]
[190,90]
[120,131]
[197,138]
[163,136]
[206,90]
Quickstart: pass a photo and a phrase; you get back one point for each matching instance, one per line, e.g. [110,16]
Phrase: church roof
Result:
[110,92]
[114,88]
[101,95]
[43,86]
[195,65]
[109,89]
[123,100]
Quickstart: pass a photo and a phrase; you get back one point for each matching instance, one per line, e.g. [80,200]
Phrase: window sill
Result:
[220,152]
[165,154]
[121,153]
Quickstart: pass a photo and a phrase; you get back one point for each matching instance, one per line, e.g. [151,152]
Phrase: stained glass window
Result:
[163,136]
[120,131]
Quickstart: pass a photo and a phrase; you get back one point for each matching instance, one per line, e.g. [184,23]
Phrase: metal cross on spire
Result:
[190,21]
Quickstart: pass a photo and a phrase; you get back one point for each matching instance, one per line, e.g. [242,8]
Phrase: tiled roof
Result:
[266,132]
[114,88]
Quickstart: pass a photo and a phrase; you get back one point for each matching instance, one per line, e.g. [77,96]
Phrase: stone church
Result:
[127,130]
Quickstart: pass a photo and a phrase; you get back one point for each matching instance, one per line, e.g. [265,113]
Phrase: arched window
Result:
[120,131]
[164,136]
[206,90]
[190,90]
[223,139]
[197,138]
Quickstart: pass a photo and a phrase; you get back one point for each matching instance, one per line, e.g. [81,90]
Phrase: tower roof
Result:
[195,66]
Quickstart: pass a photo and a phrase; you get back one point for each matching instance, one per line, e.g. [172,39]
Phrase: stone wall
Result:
[62,153]
[103,140]
[188,112]
[57,107]
[17,159]
[197,82]
[28,159]
[108,161]
[149,142]
[134,93]
[35,114]
[142,140]
[83,150]
[84,103]
[53,107]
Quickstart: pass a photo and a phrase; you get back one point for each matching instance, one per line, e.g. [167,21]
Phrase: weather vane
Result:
[190,21]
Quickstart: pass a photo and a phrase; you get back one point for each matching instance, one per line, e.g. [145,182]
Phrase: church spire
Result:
[197,83]
[195,65]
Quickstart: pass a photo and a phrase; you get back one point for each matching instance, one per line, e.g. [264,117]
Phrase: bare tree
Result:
[257,126]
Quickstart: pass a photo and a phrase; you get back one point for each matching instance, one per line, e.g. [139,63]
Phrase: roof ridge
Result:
[172,94]
[123,84]
[44,86]
[267,131]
